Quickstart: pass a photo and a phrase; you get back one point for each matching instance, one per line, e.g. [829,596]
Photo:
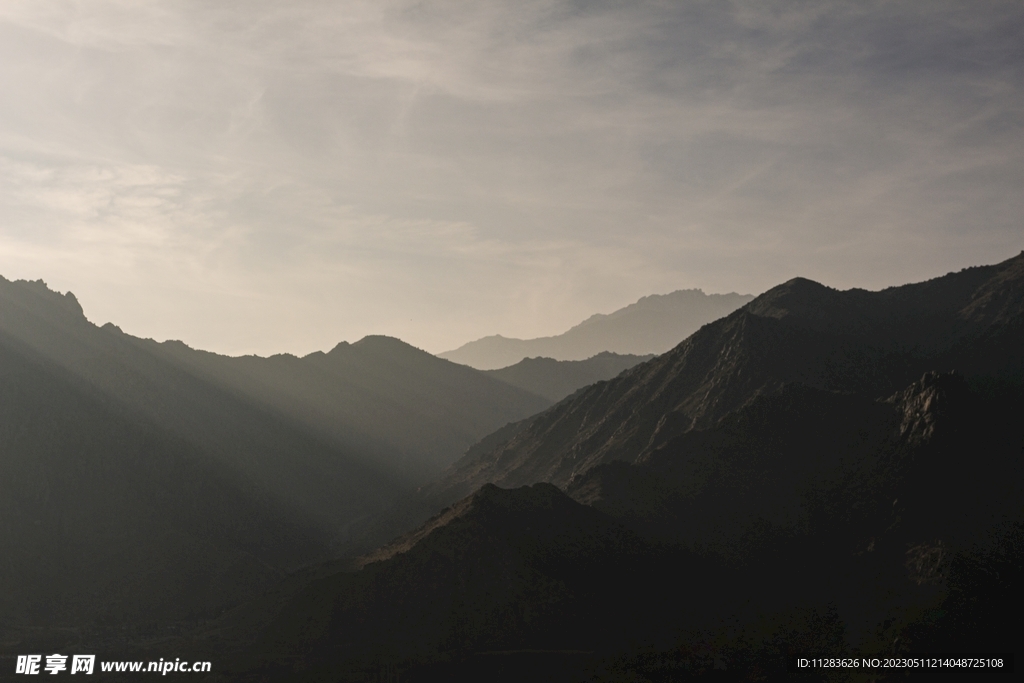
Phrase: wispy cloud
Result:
[265,176]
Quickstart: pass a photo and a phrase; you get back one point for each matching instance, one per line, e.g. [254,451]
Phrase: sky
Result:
[257,176]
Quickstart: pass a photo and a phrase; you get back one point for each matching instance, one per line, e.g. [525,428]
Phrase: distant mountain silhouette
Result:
[871,343]
[150,482]
[556,379]
[652,325]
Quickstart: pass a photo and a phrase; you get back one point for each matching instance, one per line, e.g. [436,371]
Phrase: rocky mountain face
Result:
[556,379]
[868,343]
[652,325]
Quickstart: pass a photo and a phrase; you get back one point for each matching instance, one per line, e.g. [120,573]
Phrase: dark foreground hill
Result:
[556,379]
[808,521]
[807,475]
[144,483]
[654,324]
[834,500]
[521,580]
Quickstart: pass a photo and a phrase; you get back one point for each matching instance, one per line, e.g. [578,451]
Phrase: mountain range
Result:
[146,482]
[652,325]
[808,521]
[870,343]
[819,472]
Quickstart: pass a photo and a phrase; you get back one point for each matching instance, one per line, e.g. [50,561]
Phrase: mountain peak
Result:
[37,297]
[542,508]
[375,344]
[381,342]
[488,502]
[798,296]
[541,496]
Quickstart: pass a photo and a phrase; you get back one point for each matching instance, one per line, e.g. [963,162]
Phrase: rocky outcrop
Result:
[924,404]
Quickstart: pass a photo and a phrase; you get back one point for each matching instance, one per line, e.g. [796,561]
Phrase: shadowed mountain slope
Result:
[342,406]
[808,521]
[869,343]
[141,382]
[870,467]
[152,482]
[796,477]
[833,499]
[106,518]
[654,324]
[556,379]
[510,573]
[359,393]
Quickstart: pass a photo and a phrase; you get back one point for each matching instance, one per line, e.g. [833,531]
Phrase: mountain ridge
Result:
[556,379]
[282,453]
[651,325]
[864,342]
[820,471]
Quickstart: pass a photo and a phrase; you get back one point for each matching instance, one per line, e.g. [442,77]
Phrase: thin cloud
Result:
[265,176]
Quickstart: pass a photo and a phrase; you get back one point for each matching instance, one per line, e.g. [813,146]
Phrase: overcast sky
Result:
[261,177]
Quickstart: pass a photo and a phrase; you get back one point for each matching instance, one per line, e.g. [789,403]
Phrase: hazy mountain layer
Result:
[870,343]
[556,379]
[652,325]
[249,411]
[153,482]
[406,409]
